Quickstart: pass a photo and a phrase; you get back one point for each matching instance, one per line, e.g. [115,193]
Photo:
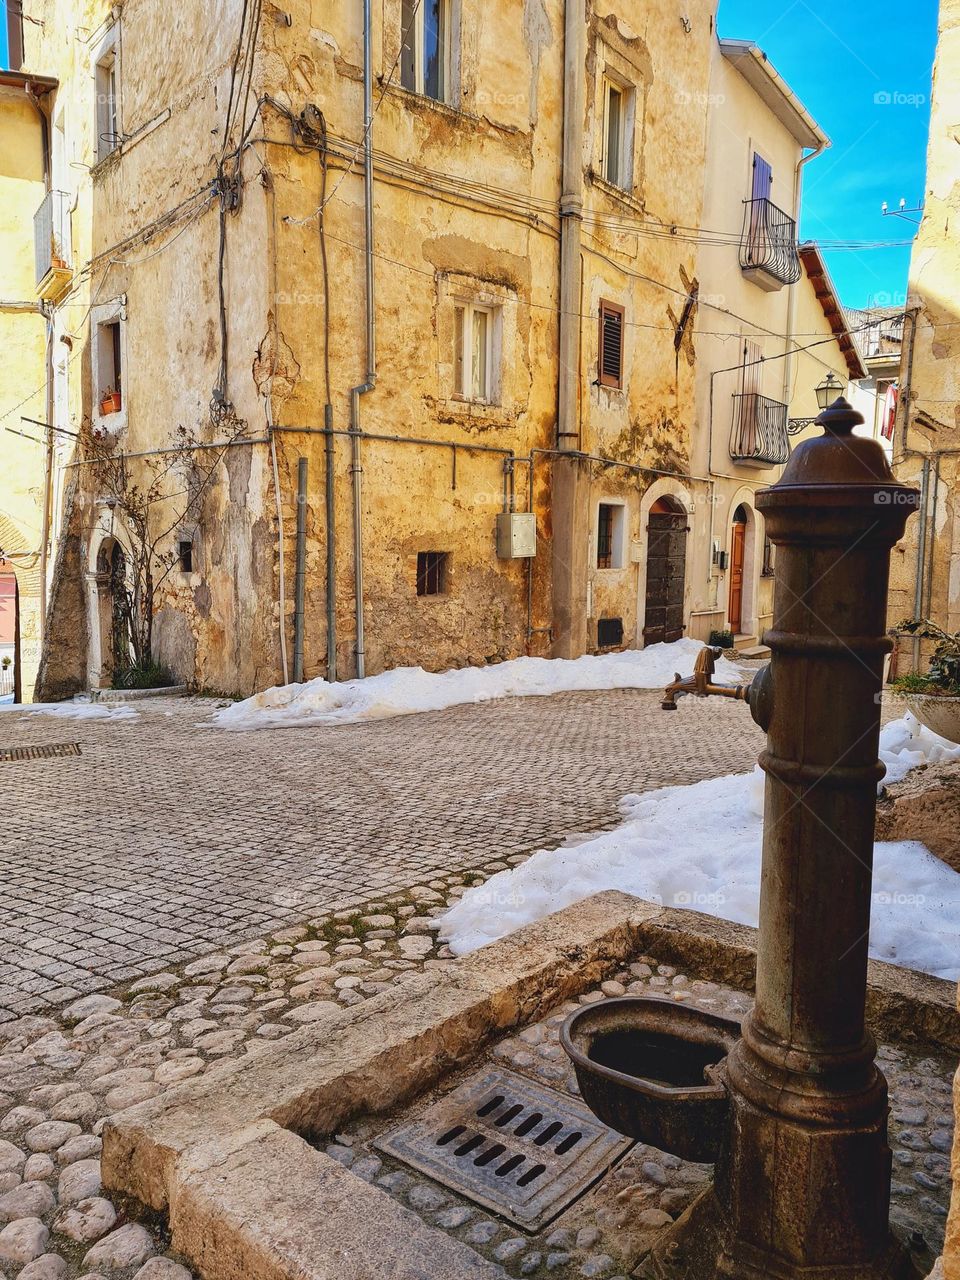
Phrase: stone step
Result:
[754,651]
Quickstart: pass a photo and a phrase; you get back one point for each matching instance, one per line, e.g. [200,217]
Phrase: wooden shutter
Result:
[14,19]
[611,345]
[762,178]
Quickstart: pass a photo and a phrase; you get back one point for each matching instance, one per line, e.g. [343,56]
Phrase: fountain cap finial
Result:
[839,418]
[837,458]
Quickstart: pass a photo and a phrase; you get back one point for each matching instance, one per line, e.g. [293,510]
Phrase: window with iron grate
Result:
[431,573]
[611,345]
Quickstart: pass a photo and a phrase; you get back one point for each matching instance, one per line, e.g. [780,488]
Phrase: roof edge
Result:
[39,85]
[757,69]
[816,270]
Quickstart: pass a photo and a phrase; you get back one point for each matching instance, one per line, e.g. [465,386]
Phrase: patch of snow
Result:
[407,690]
[74,710]
[699,847]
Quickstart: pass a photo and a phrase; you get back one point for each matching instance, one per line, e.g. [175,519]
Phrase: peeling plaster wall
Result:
[929,417]
[22,367]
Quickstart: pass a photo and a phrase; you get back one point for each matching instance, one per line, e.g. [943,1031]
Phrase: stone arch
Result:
[20,561]
[108,566]
[743,512]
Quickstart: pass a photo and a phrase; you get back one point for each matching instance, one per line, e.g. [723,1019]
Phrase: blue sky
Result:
[838,57]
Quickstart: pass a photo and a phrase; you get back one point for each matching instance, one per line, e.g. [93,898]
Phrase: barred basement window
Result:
[431,573]
[611,345]
[185,556]
[768,570]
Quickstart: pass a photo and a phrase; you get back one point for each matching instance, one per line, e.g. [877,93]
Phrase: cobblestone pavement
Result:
[63,1076]
[166,839]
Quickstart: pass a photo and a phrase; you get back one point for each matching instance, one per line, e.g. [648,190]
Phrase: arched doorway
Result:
[116,610]
[667,531]
[9,637]
[738,552]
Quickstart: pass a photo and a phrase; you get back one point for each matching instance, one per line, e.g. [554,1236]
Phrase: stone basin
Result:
[653,1069]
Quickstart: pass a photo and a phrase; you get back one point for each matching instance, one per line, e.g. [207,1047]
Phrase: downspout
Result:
[300,592]
[571,219]
[331,515]
[921,555]
[46,515]
[356,468]
[792,289]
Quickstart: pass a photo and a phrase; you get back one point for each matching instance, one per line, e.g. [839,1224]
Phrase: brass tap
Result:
[701,682]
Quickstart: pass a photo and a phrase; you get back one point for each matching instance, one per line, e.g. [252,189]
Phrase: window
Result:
[106,79]
[425,53]
[474,368]
[613,137]
[185,555]
[768,567]
[618,116]
[431,573]
[610,519]
[611,345]
[109,367]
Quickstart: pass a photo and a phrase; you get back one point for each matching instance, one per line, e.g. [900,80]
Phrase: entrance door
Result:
[666,568]
[737,548]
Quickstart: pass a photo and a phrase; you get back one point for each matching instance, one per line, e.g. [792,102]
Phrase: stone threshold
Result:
[227,1157]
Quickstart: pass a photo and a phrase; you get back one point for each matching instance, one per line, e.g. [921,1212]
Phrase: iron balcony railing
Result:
[51,234]
[759,432]
[769,242]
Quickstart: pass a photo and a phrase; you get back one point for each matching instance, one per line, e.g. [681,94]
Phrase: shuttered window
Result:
[611,345]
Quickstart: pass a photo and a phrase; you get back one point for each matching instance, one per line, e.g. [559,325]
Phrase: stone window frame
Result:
[614,70]
[460,290]
[394,38]
[619,557]
[107,313]
[106,62]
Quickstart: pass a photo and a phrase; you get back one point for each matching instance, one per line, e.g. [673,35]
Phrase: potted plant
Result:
[110,402]
[721,639]
[934,698]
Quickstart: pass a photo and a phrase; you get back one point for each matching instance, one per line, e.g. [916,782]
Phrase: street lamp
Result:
[829,390]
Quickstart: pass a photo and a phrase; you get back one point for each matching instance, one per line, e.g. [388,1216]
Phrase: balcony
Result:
[52,246]
[759,436]
[768,246]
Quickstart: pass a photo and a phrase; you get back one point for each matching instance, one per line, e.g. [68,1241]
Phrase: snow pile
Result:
[407,690]
[699,846]
[906,743]
[75,710]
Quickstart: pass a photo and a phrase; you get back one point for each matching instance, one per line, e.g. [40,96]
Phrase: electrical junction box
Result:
[516,535]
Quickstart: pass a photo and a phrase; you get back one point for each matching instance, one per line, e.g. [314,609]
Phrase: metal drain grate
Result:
[513,1146]
[40,753]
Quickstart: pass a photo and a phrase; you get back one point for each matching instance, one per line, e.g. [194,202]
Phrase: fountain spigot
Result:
[701,683]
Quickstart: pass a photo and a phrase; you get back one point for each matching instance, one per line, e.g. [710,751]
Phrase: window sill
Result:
[110,424]
[623,195]
[475,411]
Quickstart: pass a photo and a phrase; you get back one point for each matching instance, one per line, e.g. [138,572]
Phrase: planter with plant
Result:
[110,402]
[721,639]
[934,698]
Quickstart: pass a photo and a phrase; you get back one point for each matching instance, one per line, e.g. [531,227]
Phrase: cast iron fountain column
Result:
[804,1187]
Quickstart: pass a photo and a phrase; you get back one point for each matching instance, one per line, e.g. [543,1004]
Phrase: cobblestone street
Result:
[166,839]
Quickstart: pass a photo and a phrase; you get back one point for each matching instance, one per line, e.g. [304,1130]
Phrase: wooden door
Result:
[735,605]
[666,568]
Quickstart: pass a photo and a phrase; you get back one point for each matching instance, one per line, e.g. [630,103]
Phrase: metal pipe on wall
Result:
[356,462]
[331,514]
[571,218]
[301,571]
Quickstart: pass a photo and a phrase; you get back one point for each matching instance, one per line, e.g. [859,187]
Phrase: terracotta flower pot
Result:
[940,714]
[110,403]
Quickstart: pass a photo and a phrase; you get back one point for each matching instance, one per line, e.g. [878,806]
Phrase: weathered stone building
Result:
[468,400]
[926,564]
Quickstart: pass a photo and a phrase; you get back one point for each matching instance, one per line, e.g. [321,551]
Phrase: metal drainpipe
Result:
[571,216]
[921,554]
[301,571]
[356,467]
[331,514]
[792,289]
